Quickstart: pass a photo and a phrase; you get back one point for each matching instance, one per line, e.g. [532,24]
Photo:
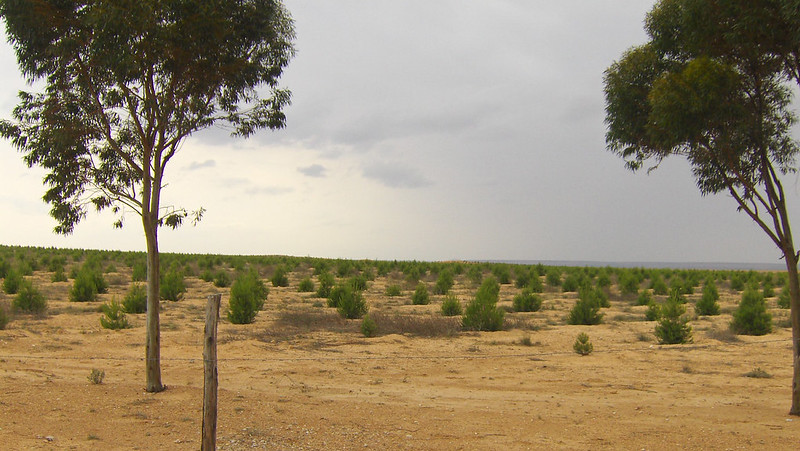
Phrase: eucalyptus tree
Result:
[714,84]
[123,83]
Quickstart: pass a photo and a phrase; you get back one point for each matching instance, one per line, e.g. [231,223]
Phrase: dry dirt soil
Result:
[301,378]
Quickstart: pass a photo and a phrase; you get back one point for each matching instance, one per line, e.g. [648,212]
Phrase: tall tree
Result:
[124,83]
[713,84]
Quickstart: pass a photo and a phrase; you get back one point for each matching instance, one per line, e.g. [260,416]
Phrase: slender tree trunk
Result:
[153,340]
[794,291]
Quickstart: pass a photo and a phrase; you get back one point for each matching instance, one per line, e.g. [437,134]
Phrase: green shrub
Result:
[83,288]
[59,275]
[751,317]
[553,277]
[136,299]
[306,285]
[644,297]
[768,290]
[29,299]
[676,294]
[369,327]
[784,299]
[5,267]
[99,280]
[139,271]
[658,285]
[113,316]
[393,290]
[523,278]
[280,277]
[585,312]
[12,282]
[583,345]
[172,286]
[527,301]
[359,282]
[4,319]
[502,273]
[628,283]
[603,279]
[672,327]
[535,283]
[708,305]
[351,304]
[482,312]
[337,293]
[248,294]
[420,296]
[653,312]
[594,295]
[444,283]
[475,274]
[451,306]
[570,283]
[326,282]
[222,279]
[738,281]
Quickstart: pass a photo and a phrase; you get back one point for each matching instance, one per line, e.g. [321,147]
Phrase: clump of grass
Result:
[758,373]
[526,340]
[417,325]
[723,335]
[96,376]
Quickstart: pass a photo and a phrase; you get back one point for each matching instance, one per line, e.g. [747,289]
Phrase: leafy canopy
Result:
[713,84]
[125,81]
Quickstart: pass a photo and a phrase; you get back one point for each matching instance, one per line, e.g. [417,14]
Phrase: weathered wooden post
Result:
[210,374]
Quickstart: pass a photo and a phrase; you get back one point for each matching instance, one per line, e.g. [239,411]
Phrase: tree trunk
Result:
[153,340]
[794,292]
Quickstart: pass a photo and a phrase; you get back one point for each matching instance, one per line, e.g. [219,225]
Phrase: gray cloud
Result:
[195,165]
[396,176]
[315,170]
[269,190]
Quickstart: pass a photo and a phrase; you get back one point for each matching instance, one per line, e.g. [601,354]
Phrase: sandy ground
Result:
[300,378]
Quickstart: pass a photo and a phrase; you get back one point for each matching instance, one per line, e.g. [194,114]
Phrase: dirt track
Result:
[314,382]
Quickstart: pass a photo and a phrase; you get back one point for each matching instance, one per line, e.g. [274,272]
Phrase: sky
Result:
[454,129]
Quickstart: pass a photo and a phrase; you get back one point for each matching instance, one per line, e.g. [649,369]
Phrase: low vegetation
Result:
[499,296]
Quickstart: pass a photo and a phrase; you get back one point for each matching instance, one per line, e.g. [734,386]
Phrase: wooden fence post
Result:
[209,441]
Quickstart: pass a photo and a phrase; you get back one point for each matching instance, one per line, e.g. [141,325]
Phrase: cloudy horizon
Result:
[426,131]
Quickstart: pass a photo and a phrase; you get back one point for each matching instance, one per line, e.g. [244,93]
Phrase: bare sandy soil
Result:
[300,378]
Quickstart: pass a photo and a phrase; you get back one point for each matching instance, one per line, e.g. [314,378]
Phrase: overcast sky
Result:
[428,130]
